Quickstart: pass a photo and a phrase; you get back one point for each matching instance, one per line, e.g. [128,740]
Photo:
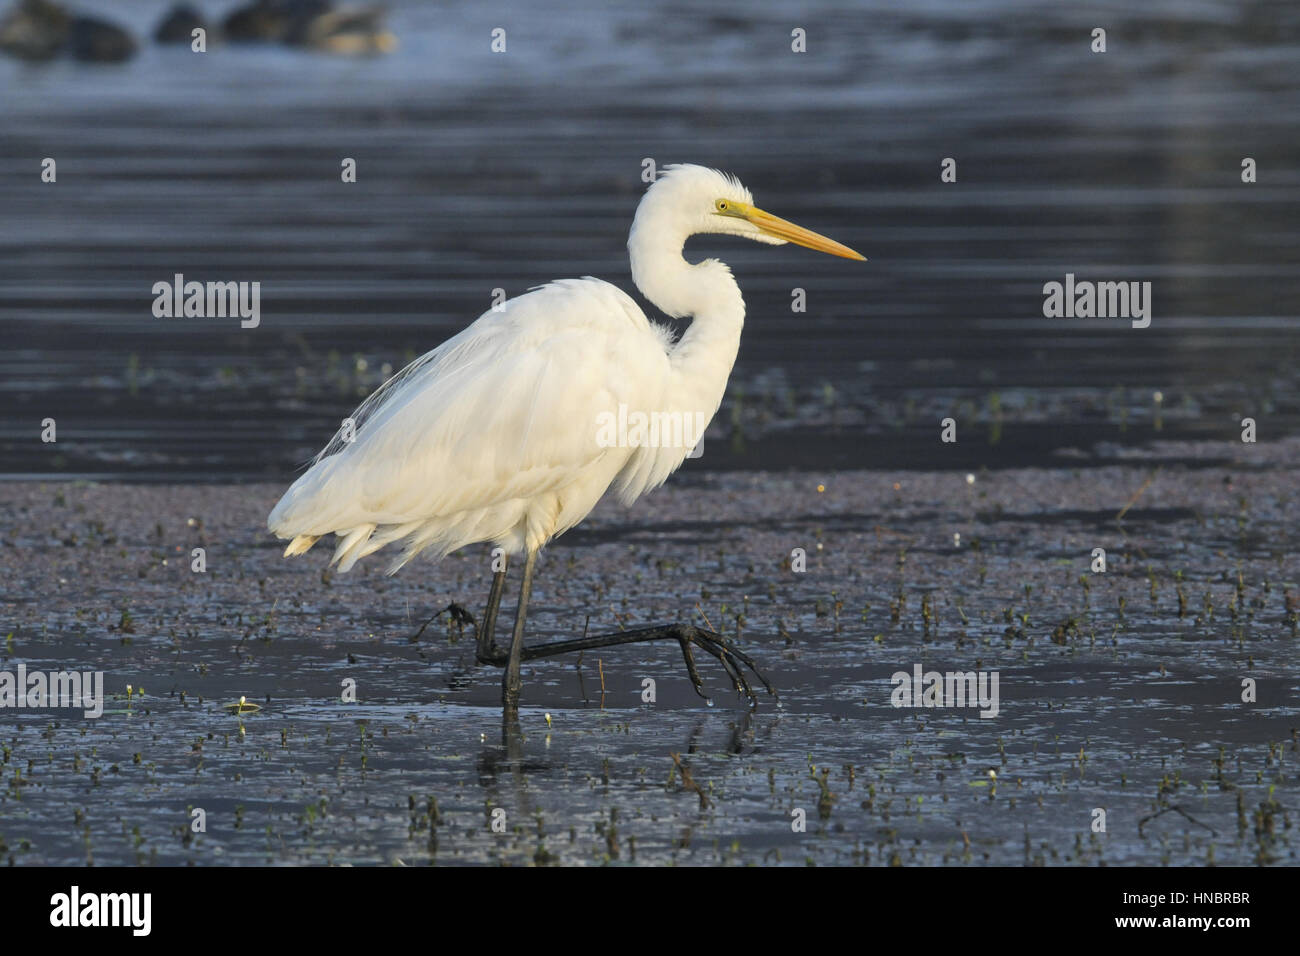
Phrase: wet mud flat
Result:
[1119,691]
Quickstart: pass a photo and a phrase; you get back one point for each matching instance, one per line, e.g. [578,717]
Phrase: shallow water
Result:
[1136,709]
[480,171]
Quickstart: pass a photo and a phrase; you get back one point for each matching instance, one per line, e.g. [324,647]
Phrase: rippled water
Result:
[480,171]
[1120,691]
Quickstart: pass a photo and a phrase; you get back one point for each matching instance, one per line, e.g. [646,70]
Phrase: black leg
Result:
[511,683]
[487,645]
[686,635]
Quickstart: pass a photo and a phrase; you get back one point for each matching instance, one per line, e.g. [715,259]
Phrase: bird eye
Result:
[722,205]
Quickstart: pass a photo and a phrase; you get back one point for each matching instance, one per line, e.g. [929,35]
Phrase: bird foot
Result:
[460,616]
[687,636]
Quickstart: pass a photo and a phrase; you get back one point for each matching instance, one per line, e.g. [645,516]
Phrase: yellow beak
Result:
[783,229]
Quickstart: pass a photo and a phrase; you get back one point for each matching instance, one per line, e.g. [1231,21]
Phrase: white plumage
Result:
[493,436]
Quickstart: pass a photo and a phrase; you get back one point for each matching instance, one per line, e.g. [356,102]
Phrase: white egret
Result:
[496,435]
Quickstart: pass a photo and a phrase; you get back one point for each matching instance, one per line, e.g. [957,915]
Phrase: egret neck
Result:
[706,291]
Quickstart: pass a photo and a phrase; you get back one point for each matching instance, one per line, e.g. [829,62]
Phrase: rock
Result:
[349,31]
[42,30]
[97,41]
[35,30]
[179,25]
[313,24]
[271,20]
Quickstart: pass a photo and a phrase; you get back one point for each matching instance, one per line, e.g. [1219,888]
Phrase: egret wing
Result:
[505,410]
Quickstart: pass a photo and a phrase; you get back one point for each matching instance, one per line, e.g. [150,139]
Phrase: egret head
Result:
[686,200]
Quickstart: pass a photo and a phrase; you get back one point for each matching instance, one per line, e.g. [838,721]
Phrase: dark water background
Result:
[481,170]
